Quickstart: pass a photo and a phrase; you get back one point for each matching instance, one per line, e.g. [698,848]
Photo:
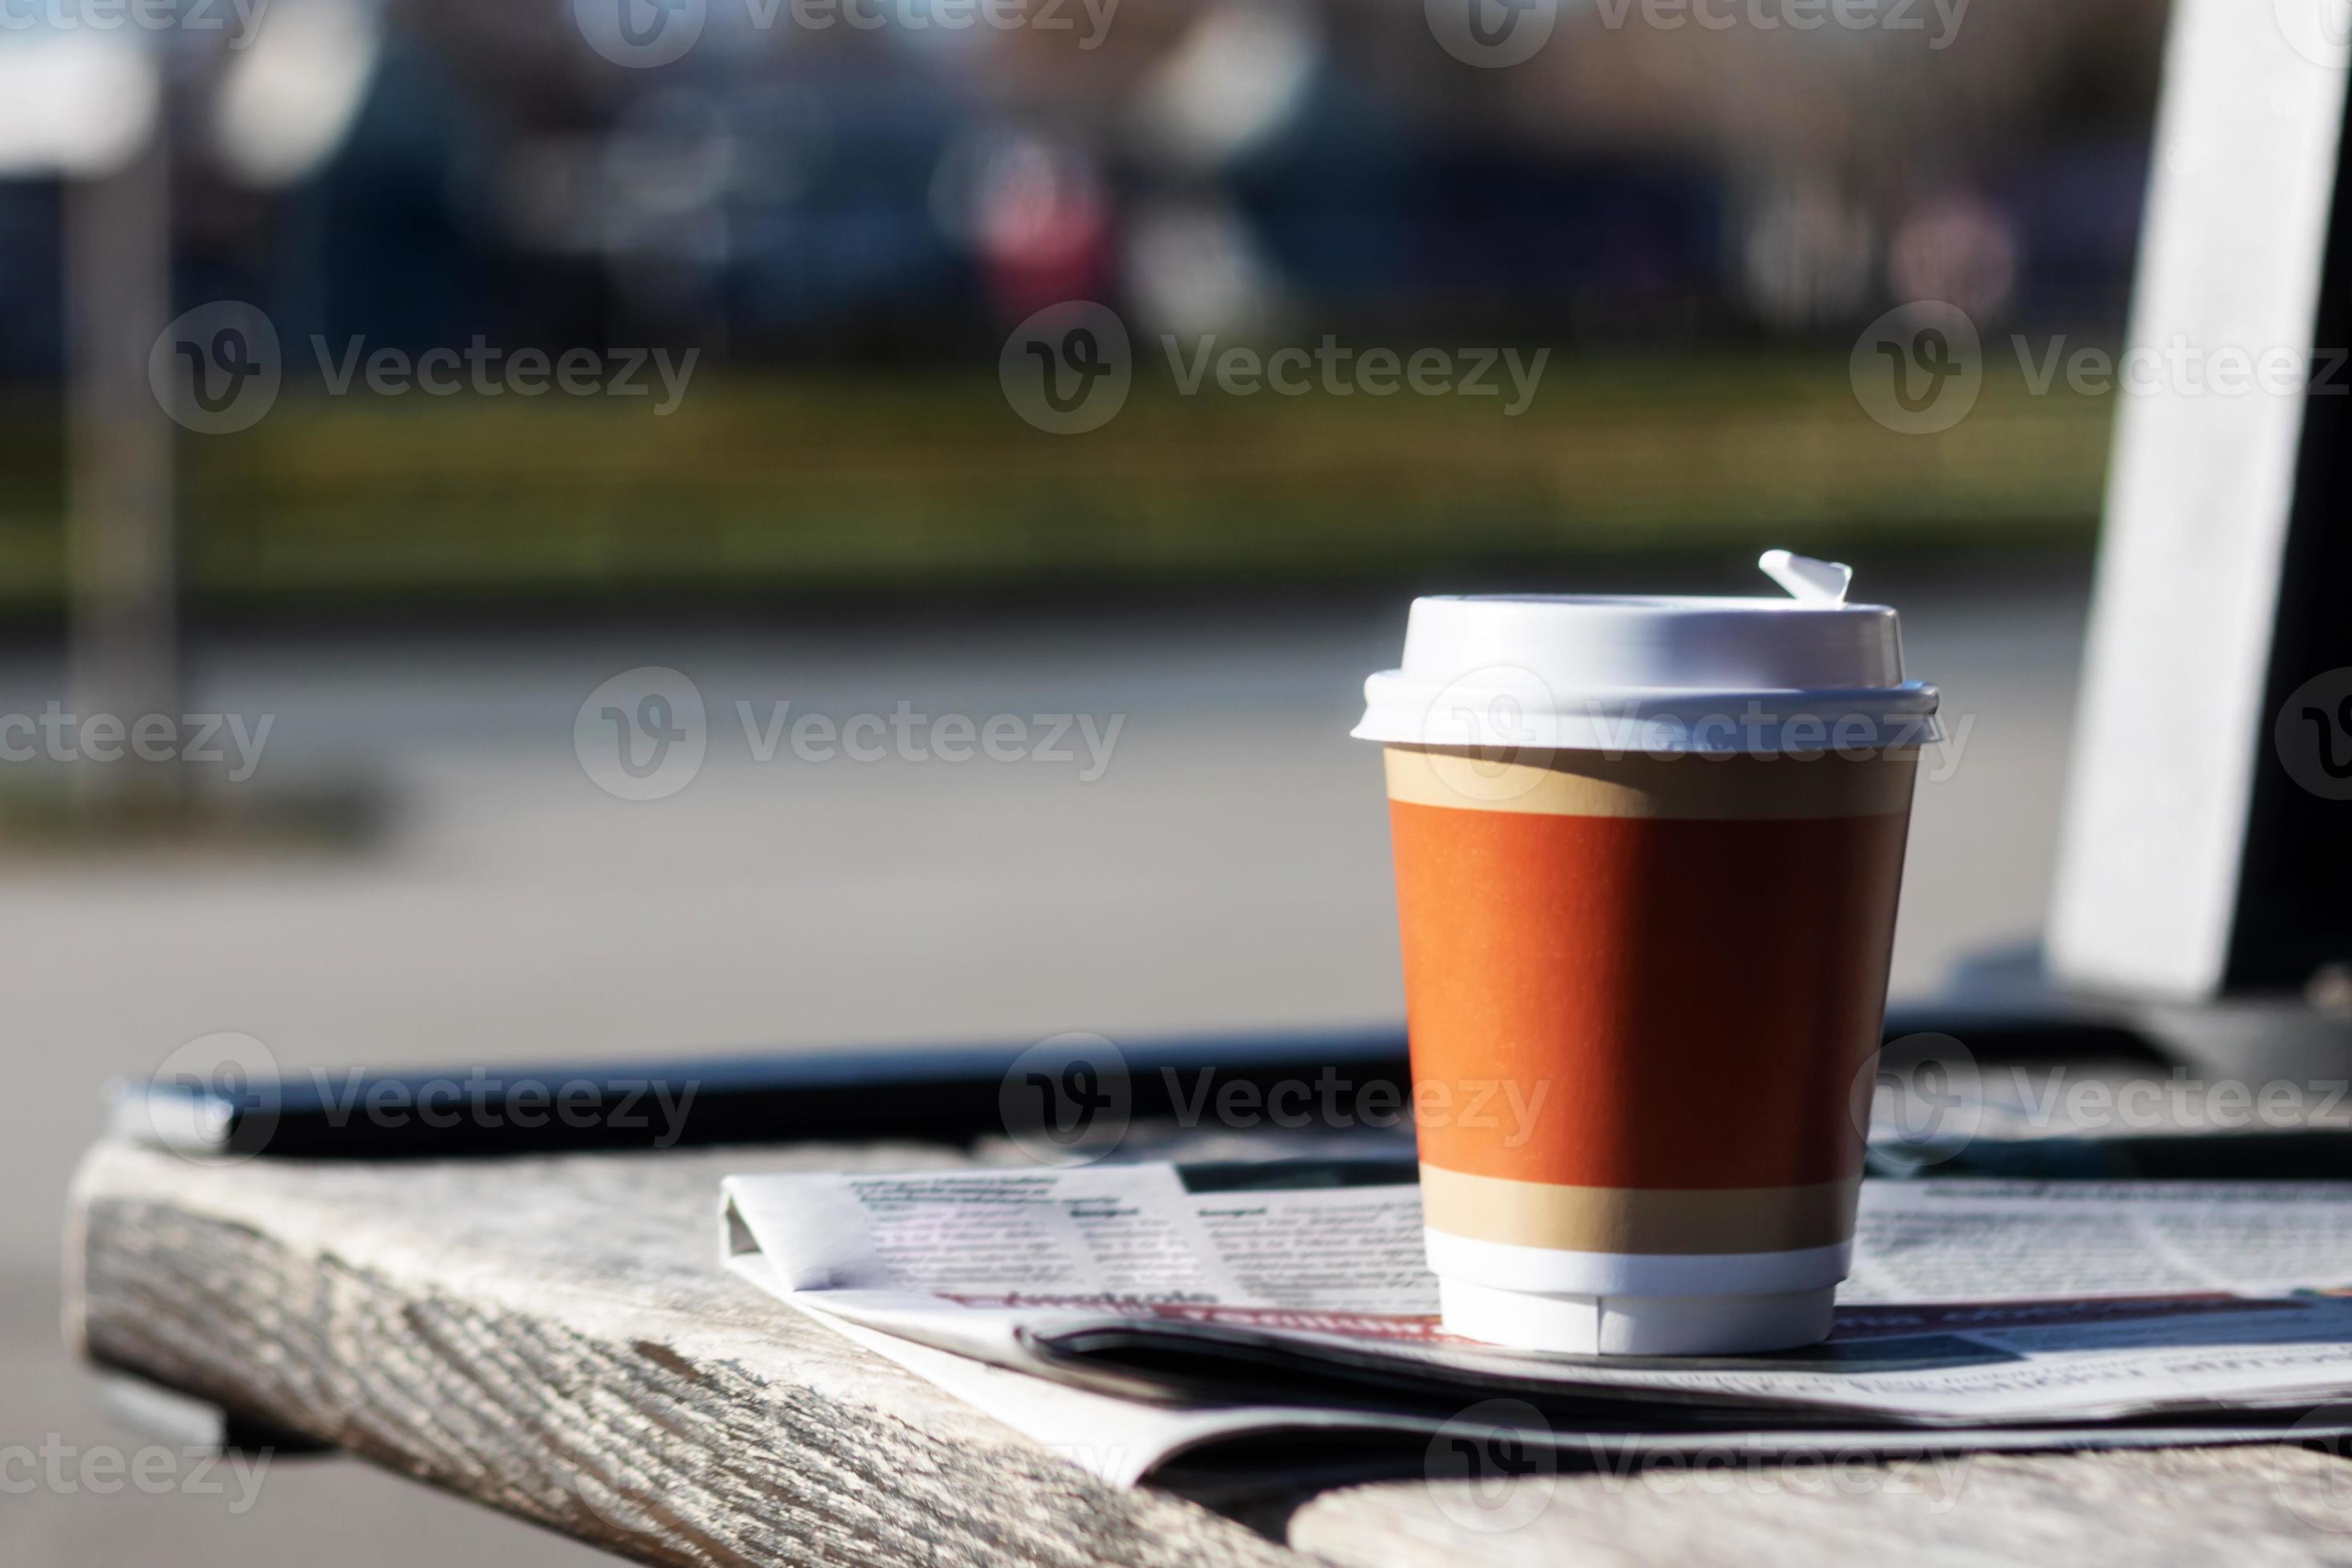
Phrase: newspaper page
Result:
[1973,1304]
[1125,1441]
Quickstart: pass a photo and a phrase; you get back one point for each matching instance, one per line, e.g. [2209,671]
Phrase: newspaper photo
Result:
[1238,1298]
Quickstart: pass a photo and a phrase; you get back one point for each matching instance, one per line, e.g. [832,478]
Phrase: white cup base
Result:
[1635,1325]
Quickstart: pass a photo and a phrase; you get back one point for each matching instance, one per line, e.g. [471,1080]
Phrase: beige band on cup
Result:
[1637,1220]
[1594,783]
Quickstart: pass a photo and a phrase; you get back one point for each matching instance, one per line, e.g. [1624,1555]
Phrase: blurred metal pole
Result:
[121,560]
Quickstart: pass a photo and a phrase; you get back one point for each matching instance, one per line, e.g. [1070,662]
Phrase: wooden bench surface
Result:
[553,1338]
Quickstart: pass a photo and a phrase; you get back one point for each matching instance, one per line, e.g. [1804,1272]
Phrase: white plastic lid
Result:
[1805,673]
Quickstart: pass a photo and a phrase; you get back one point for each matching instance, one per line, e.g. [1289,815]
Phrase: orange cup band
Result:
[1679,968]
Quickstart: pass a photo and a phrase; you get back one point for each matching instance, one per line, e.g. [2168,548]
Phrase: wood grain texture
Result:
[2192,1507]
[554,1338]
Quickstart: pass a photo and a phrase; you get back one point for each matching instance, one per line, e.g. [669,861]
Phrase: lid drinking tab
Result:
[1810,580]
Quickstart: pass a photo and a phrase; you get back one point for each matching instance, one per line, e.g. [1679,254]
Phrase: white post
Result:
[121,560]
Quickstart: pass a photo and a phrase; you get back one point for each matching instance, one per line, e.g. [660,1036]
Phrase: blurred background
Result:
[394,590]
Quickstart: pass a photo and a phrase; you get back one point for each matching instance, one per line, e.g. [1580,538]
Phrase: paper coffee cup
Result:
[1647,855]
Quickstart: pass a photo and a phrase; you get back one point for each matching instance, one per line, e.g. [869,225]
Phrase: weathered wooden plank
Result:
[2192,1507]
[553,1338]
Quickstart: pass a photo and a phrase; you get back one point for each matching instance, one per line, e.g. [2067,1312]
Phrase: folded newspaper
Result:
[1131,1314]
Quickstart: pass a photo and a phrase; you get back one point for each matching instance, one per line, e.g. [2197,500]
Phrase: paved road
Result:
[1227,869]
